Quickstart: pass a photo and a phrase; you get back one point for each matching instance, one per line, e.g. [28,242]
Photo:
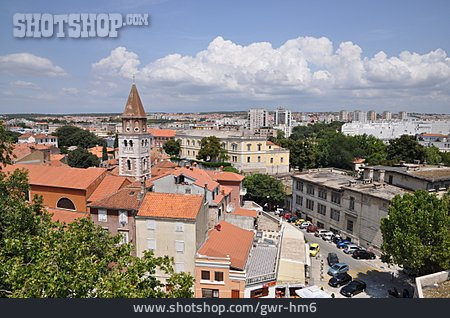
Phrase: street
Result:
[376,274]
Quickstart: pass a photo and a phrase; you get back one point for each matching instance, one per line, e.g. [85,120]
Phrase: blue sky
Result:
[232,55]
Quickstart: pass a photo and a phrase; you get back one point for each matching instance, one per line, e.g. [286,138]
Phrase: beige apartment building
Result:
[250,154]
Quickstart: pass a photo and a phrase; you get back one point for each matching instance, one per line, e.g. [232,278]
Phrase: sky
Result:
[231,55]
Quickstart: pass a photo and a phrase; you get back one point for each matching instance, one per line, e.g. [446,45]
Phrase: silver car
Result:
[338,268]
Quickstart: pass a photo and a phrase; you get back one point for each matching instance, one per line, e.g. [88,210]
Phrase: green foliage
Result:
[211,150]
[13,136]
[405,148]
[41,258]
[81,158]
[172,147]
[318,130]
[303,153]
[104,153]
[116,141]
[74,136]
[231,169]
[263,189]
[433,155]
[416,234]
[6,146]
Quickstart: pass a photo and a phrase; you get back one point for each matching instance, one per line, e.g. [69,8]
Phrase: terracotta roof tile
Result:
[170,205]
[246,212]
[65,216]
[229,241]
[110,184]
[226,176]
[125,198]
[98,151]
[161,132]
[62,177]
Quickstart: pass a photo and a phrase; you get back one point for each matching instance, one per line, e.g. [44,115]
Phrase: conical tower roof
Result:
[134,107]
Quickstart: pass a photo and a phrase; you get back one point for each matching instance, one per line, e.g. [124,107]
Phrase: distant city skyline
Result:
[203,56]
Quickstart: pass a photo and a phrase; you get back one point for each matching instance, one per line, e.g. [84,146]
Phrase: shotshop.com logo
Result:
[75,25]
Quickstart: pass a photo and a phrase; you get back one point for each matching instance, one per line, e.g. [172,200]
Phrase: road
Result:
[376,274]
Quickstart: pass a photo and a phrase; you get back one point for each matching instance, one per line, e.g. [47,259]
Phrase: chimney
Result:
[194,164]
[205,188]
[381,174]
[218,227]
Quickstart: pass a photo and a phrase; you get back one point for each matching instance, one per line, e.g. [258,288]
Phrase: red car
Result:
[311,228]
[287,216]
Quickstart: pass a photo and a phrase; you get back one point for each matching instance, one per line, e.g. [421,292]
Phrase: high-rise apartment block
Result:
[257,117]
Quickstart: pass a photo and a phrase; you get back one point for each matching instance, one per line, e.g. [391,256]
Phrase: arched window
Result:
[129,164]
[125,143]
[142,142]
[65,203]
[131,143]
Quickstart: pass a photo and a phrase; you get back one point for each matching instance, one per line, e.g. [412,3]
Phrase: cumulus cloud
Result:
[70,90]
[24,84]
[305,65]
[26,63]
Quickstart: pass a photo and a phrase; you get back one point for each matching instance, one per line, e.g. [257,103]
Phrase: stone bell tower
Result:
[134,141]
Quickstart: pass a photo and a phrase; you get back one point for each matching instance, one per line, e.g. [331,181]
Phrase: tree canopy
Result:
[263,189]
[74,136]
[416,234]
[81,158]
[6,146]
[212,150]
[406,148]
[172,147]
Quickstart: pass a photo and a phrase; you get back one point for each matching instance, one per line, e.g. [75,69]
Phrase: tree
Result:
[104,153]
[303,153]
[433,155]
[336,150]
[405,148]
[116,141]
[81,158]
[172,147]
[6,147]
[231,169]
[212,150]
[41,258]
[370,148]
[416,233]
[263,189]
[74,136]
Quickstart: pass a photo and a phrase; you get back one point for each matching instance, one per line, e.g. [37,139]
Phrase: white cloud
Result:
[70,90]
[24,84]
[26,63]
[305,66]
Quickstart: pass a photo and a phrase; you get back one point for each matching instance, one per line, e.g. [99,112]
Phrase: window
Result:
[352,204]
[179,227]
[249,147]
[210,293]
[124,237]
[218,276]
[309,204]
[65,203]
[248,159]
[299,185]
[125,143]
[151,244]
[281,159]
[391,179]
[123,217]
[271,160]
[259,147]
[131,143]
[128,164]
[260,292]
[234,147]
[187,142]
[187,191]
[189,152]
[321,209]
[350,226]
[206,275]
[179,267]
[259,158]
[179,246]
[299,200]
[322,193]
[102,215]
[336,197]
[310,189]
[234,158]
[335,214]
[151,225]
[320,225]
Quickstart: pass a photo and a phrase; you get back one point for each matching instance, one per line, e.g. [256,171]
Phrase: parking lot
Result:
[378,276]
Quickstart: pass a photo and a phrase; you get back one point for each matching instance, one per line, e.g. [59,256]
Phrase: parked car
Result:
[363,254]
[338,268]
[332,259]
[340,280]
[327,236]
[293,219]
[320,232]
[305,224]
[287,215]
[350,248]
[299,222]
[355,287]
[314,248]
[336,238]
[279,211]
[342,243]
[311,228]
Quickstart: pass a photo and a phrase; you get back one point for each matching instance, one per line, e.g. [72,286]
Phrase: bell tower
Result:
[134,141]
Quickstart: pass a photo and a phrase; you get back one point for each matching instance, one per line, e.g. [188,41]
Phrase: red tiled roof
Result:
[61,177]
[170,205]
[58,157]
[200,176]
[433,135]
[98,151]
[65,216]
[169,133]
[229,241]
[162,167]
[125,198]
[225,176]
[110,184]
[246,212]
[270,143]
[359,160]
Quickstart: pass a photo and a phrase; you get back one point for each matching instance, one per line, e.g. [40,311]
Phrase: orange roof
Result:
[433,135]
[269,142]
[170,205]
[359,160]
[28,135]
[229,241]
[200,176]
[161,132]
[225,176]
[246,212]
[125,198]
[61,177]
[57,157]
[98,151]
[109,185]
[65,216]
[163,167]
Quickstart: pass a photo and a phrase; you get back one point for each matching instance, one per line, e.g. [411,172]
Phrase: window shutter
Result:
[123,217]
[151,244]
[179,246]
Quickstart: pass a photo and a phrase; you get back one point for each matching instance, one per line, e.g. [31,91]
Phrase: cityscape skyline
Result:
[198,56]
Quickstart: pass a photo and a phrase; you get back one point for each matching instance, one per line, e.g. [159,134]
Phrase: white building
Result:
[387,115]
[359,116]
[343,116]
[258,117]
[39,139]
[403,115]
[283,116]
